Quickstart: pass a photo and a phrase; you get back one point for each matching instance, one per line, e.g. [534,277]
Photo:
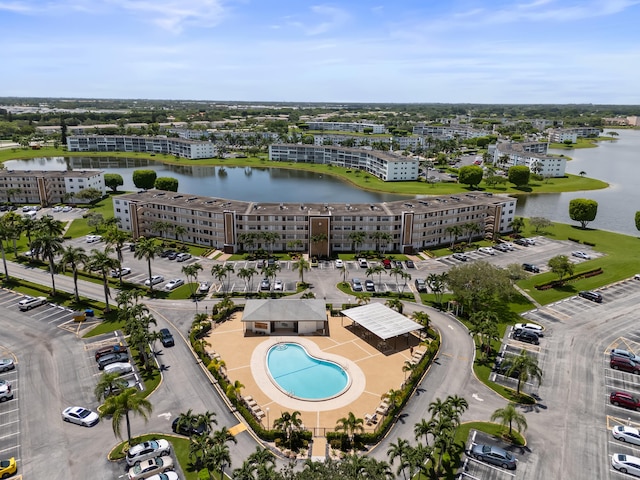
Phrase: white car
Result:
[119,367]
[165,476]
[150,467]
[636,276]
[181,257]
[173,284]
[80,416]
[487,250]
[57,208]
[204,287]
[121,272]
[509,246]
[146,450]
[582,255]
[626,463]
[339,263]
[27,303]
[93,238]
[626,434]
[156,279]
[531,327]
[67,209]
[278,286]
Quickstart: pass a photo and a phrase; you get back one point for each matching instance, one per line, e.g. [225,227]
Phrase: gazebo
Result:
[383,322]
[282,316]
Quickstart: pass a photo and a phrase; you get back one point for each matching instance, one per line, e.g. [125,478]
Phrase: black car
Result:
[166,337]
[526,336]
[421,286]
[589,295]
[530,268]
[183,428]
[410,264]
[521,241]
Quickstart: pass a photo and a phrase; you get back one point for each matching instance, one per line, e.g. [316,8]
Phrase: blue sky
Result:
[484,51]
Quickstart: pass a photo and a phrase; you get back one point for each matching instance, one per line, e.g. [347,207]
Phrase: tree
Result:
[437,284]
[454,232]
[247,275]
[287,423]
[583,210]
[517,224]
[147,248]
[94,220]
[119,406]
[101,261]
[508,416]
[479,285]
[395,304]
[471,228]
[350,425]
[191,272]
[519,175]
[539,222]
[169,184]
[357,238]
[561,266]
[234,390]
[470,175]
[422,318]
[525,366]
[113,181]
[48,246]
[302,265]
[89,194]
[74,257]
[637,219]
[116,238]
[109,384]
[144,179]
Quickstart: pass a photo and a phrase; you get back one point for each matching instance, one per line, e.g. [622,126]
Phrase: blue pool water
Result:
[302,376]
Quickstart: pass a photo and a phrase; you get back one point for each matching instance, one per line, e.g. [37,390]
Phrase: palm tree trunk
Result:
[75,284]
[150,281]
[4,261]
[52,271]
[128,427]
[105,283]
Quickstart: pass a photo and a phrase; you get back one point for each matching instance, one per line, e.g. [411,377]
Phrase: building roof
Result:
[301,310]
[382,321]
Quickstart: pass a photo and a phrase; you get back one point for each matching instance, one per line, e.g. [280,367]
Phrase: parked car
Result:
[112,358]
[156,279]
[146,450]
[260,263]
[530,241]
[204,287]
[93,238]
[27,303]
[356,285]
[624,399]
[509,246]
[521,241]
[460,256]
[501,247]
[8,467]
[386,263]
[265,284]
[530,268]
[150,467]
[174,283]
[165,476]
[589,295]
[526,336]
[636,276]
[182,257]
[582,255]
[339,263]
[314,261]
[618,352]
[397,263]
[180,427]
[80,416]
[120,272]
[362,262]
[626,434]
[6,364]
[410,264]
[487,250]
[626,463]
[278,286]
[57,209]
[166,338]
[494,455]
[5,392]
[421,285]
[109,349]
[624,364]
[67,208]
[369,286]
[120,368]
[166,253]
[532,327]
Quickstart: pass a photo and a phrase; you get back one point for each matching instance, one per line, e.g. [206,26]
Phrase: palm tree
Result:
[119,406]
[345,272]
[471,228]
[526,366]
[5,235]
[319,238]
[29,225]
[48,246]
[116,238]
[108,384]
[396,304]
[350,425]
[49,226]
[216,458]
[437,284]
[400,450]
[517,224]
[376,270]
[396,271]
[219,273]
[422,318]
[288,423]
[362,298]
[234,390]
[393,397]
[247,275]
[101,261]
[264,462]
[191,272]
[423,429]
[302,265]
[408,367]
[147,248]
[508,416]
[454,232]
[357,238]
[74,257]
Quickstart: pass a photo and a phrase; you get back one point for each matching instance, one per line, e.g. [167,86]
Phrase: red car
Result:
[386,263]
[626,400]
[624,364]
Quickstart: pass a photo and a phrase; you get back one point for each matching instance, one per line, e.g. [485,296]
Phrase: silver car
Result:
[146,450]
[626,434]
[119,367]
[494,455]
[156,279]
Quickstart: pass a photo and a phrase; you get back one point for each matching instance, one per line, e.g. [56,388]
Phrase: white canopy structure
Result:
[381,320]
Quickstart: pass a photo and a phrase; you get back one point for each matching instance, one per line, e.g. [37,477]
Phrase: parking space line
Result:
[13,434]
[6,412]
[492,467]
[10,448]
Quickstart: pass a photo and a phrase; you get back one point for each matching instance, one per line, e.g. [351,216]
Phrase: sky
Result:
[402,51]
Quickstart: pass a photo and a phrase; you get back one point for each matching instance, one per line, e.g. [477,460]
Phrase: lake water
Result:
[615,162]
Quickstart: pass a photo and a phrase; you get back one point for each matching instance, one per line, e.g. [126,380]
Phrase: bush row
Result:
[577,276]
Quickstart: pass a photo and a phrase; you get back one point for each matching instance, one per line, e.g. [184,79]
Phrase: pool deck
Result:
[372,372]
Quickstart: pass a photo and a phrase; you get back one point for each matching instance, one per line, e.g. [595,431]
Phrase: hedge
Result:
[577,276]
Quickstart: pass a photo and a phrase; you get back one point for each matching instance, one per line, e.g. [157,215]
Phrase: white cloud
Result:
[329,19]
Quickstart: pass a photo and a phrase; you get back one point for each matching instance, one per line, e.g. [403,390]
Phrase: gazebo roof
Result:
[381,320]
[301,310]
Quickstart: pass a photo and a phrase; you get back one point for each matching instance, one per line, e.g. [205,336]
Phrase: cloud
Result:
[331,18]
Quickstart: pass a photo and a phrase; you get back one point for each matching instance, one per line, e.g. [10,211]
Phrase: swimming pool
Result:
[302,376]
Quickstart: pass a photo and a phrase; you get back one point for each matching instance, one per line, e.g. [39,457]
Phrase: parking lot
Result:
[10,412]
[476,469]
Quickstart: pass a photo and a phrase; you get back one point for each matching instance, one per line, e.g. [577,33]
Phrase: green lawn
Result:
[79,227]
[581,143]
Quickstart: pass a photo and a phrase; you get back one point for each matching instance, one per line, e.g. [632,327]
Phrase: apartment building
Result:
[180,147]
[530,154]
[448,132]
[322,229]
[403,143]
[384,165]
[48,187]
[559,135]
[346,126]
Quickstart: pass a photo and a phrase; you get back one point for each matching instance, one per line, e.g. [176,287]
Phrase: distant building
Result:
[130,143]
[48,187]
[559,135]
[384,165]
[532,155]
[346,126]
[448,132]
[226,224]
